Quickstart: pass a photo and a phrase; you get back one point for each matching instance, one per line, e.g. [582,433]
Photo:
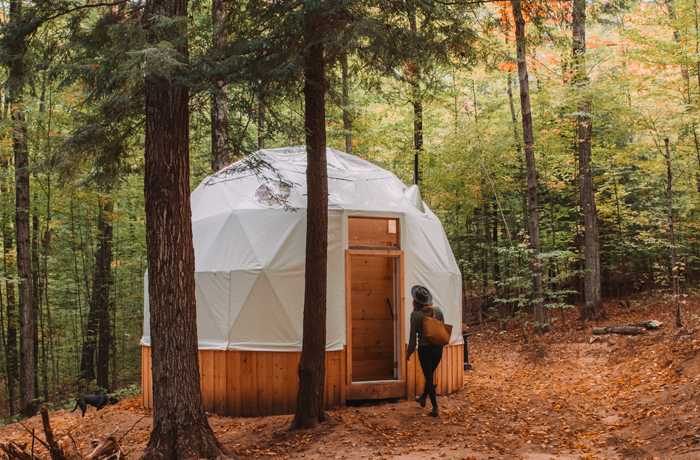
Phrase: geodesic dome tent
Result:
[249,226]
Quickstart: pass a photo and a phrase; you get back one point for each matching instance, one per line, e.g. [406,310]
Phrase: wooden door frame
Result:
[399,341]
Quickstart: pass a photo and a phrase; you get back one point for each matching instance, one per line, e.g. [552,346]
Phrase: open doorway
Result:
[373,313]
[375,317]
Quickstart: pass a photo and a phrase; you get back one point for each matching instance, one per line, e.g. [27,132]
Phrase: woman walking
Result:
[429,354]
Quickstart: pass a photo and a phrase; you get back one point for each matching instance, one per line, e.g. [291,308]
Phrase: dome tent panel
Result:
[280,238]
[432,251]
[262,323]
[286,286]
[212,293]
[217,250]
[276,236]
[242,282]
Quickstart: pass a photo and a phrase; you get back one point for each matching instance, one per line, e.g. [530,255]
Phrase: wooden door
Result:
[373,317]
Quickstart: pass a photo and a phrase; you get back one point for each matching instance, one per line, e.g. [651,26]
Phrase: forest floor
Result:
[559,396]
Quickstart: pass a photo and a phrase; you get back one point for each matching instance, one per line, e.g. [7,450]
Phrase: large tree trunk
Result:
[312,366]
[22,228]
[220,156]
[593,307]
[671,237]
[180,428]
[528,139]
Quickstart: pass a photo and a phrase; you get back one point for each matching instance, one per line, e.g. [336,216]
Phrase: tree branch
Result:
[82,7]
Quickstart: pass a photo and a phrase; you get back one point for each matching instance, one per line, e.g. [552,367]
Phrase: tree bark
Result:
[347,122]
[593,308]
[87,360]
[417,102]
[101,288]
[22,227]
[220,156]
[622,330]
[518,146]
[261,122]
[180,428]
[95,356]
[417,136]
[12,320]
[35,301]
[312,367]
[671,237]
[528,139]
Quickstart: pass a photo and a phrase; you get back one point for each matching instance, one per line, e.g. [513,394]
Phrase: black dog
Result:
[99,401]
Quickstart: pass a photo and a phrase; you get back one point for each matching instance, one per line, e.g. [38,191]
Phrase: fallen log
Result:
[622,330]
[109,447]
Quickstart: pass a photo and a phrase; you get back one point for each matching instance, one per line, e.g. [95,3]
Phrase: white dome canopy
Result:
[249,227]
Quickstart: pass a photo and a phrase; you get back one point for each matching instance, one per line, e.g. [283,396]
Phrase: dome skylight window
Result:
[272,194]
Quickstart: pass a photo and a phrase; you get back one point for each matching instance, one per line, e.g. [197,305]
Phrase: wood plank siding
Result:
[261,383]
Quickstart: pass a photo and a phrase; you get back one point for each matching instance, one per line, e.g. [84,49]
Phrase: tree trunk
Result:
[518,145]
[180,428]
[495,257]
[220,156]
[87,361]
[35,301]
[417,136]
[22,228]
[417,102]
[101,284]
[528,139]
[593,308]
[671,237]
[46,244]
[312,367]
[347,122]
[261,122]
[12,320]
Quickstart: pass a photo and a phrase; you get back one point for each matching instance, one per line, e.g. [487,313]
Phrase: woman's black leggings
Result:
[429,357]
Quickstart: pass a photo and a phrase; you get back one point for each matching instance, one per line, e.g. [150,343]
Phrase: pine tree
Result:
[180,428]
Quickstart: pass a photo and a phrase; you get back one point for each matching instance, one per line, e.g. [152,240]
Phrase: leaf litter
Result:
[558,396]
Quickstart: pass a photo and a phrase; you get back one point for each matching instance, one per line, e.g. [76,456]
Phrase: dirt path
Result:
[557,397]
